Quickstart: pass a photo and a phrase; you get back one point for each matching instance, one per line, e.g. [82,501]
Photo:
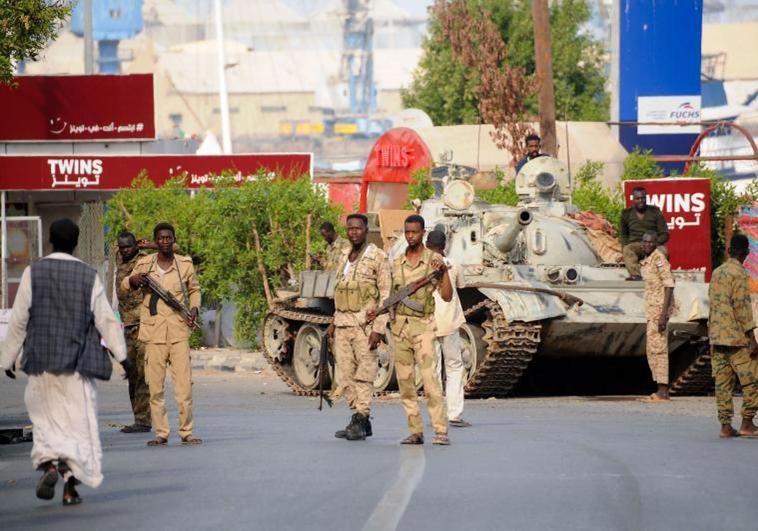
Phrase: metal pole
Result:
[543,59]
[3,252]
[226,130]
[89,57]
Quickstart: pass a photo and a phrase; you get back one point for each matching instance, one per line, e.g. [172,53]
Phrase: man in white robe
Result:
[58,319]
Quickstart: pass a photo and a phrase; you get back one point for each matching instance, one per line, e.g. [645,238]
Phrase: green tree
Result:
[217,226]
[447,90]
[503,194]
[26,26]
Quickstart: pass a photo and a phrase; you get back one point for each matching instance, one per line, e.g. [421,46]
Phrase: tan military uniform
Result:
[729,322]
[129,303]
[413,335]
[656,271]
[360,286]
[166,338]
[334,253]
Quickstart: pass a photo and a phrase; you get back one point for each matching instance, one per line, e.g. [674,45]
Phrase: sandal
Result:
[46,484]
[158,441]
[414,438]
[70,496]
[189,439]
[441,439]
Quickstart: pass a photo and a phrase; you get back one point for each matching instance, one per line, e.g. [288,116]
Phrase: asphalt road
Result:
[270,461]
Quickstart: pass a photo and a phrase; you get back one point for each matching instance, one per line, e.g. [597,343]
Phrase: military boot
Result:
[356,431]
[342,434]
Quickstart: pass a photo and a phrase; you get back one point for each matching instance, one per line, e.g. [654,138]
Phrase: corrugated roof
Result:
[192,68]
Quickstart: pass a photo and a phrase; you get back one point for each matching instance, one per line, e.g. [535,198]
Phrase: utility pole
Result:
[89,59]
[543,59]
[223,95]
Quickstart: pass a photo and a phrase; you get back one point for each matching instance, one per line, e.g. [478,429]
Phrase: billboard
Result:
[686,206]
[71,108]
[113,172]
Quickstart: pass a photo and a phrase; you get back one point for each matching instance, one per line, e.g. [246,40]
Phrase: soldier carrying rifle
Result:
[168,313]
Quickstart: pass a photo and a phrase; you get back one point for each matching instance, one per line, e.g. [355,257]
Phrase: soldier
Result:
[362,282]
[448,317]
[129,307]
[335,245]
[635,221]
[659,306]
[733,345]
[165,333]
[413,333]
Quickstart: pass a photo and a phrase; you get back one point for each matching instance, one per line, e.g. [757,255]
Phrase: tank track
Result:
[695,379]
[284,371]
[509,349]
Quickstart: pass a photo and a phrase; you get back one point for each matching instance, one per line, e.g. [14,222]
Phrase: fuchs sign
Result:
[686,205]
[113,172]
[71,108]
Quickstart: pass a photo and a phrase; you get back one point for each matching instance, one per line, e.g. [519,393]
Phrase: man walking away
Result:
[449,318]
[636,221]
[58,318]
[733,346]
[129,303]
[659,306]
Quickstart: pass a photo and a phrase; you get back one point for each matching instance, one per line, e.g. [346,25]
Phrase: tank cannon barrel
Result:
[504,235]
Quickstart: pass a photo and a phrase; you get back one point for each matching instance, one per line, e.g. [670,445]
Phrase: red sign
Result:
[70,108]
[395,156]
[686,206]
[112,172]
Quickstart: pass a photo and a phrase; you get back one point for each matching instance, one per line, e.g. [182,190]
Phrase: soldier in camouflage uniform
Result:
[129,307]
[335,246]
[733,346]
[362,282]
[659,306]
[413,333]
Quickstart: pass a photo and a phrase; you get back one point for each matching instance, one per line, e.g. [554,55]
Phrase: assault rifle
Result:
[403,294]
[159,293]
[323,360]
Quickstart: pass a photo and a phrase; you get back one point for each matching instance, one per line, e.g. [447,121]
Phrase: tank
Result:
[535,289]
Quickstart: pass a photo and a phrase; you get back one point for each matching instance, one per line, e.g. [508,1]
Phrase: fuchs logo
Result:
[686,111]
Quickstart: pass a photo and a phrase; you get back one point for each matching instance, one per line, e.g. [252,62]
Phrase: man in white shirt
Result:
[59,317]
[449,318]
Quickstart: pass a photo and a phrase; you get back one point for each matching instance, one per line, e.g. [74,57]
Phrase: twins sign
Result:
[686,206]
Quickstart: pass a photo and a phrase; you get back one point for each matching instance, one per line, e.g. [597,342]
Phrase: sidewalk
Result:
[228,359]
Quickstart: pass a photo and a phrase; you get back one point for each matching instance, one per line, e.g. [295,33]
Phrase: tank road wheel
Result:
[276,337]
[385,377]
[472,349]
[306,357]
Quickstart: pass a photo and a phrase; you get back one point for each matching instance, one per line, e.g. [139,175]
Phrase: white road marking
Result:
[390,509]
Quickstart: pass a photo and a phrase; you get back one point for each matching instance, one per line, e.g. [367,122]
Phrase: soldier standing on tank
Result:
[129,303]
[413,333]
[636,221]
[733,345]
[335,245]
[659,306]
[362,283]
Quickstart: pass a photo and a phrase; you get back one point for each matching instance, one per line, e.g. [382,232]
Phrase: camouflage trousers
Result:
[139,394]
[657,350]
[728,362]
[356,367]
[413,342]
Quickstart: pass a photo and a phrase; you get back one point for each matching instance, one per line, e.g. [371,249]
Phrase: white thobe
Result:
[63,407]
[449,317]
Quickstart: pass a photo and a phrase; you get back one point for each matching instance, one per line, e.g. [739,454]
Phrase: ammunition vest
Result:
[353,294]
[424,296]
